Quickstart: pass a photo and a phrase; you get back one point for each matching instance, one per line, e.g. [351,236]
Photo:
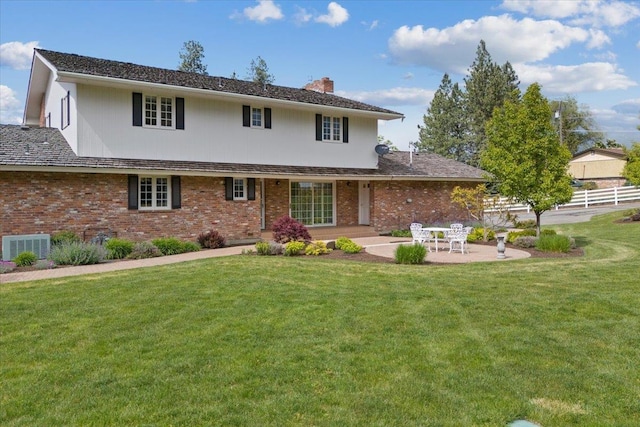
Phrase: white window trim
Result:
[244,189]
[261,117]
[154,202]
[158,112]
[332,134]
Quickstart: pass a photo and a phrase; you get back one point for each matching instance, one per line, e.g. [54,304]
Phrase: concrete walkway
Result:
[379,245]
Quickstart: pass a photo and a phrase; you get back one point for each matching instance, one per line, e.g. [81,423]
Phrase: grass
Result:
[276,341]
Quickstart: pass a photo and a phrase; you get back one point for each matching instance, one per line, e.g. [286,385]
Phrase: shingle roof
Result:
[46,147]
[73,63]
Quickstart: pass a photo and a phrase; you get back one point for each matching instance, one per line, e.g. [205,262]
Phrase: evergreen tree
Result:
[524,155]
[575,125]
[191,55]
[445,125]
[259,72]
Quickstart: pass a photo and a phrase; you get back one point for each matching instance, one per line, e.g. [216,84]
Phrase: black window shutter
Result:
[345,129]
[133,192]
[228,188]
[251,188]
[267,118]
[246,116]
[180,113]
[318,127]
[176,195]
[137,109]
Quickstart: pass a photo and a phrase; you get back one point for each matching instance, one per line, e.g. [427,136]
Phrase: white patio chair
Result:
[416,232]
[457,241]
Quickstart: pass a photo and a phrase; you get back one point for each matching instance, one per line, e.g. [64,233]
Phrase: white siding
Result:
[52,106]
[214,133]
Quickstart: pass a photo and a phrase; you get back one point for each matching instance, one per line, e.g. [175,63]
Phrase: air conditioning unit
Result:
[12,246]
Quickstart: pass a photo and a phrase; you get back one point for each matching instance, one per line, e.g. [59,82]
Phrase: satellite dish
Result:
[381,149]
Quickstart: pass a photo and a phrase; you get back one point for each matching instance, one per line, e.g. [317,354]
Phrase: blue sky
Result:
[388,53]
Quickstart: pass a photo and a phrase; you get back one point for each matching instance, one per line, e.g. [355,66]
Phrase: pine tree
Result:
[575,125]
[259,72]
[191,55]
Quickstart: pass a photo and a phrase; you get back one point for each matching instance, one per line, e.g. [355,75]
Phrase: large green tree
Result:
[524,155]
[445,125]
[191,57]
[576,126]
[259,72]
[632,168]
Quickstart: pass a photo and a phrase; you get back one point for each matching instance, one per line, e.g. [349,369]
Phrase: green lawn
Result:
[281,341]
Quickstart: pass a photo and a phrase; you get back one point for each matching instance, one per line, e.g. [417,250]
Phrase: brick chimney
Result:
[324,85]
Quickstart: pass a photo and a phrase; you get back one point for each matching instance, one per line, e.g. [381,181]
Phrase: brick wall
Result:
[88,203]
[396,204]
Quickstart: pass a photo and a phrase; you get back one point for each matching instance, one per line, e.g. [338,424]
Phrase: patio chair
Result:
[416,232]
[457,238]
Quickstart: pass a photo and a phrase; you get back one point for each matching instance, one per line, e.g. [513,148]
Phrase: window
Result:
[65,111]
[239,189]
[256,117]
[333,129]
[153,192]
[312,203]
[158,111]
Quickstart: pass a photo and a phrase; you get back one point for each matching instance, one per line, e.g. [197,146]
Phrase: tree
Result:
[487,87]
[524,155]
[388,143]
[576,126]
[445,125]
[192,54]
[631,170]
[258,72]
[609,143]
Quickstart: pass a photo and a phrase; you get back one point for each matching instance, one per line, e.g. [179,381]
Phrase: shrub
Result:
[410,254]
[143,250]
[211,239]
[7,266]
[316,248]
[525,241]
[118,248]
[269,248]
[351,247]
[64,237]
[341,241]
[589,185]
[173,246]
[77,253]
[286,229]
[401,233]
[25,259]
[294,248]
[548,232]
[513,235]
[190,247]
[44,264]
[554,243]
[527,223]
[478,235]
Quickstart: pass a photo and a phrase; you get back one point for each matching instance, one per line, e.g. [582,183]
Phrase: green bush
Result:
[351,247]
[341,241]
[525,241]
[77,253]
[554,243]
[317,247]
[25,259]
[268,248]
[513,235]
[118,248]
[527,223]
[477,235]
[548,232]
[410,254]
[401,233]
[589,185]
[294,248]
[143,250]
[64,237]
[174,246]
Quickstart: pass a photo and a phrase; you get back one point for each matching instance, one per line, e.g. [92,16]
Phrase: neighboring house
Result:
[600,165]
[145,152]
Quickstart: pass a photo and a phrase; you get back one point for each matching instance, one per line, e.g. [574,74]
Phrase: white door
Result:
[363,200]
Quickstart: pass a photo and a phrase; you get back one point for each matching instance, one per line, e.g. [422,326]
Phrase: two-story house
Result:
[148,152]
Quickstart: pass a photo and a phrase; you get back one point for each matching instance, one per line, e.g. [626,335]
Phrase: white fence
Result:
[582,198]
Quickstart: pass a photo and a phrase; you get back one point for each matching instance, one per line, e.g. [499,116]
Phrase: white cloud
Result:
[301,16]
[628,106]
[337,15]
[408,76]
[371,26]
[595,13]
[17,55]
[264,11]
[392,97]
[10,107]
[452,49]
[563,79]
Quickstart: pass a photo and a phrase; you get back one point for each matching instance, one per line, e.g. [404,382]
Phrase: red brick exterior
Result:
[86,204]
[89,203]
[396,204]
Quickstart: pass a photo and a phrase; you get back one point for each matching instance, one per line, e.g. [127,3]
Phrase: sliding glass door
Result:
[312,202]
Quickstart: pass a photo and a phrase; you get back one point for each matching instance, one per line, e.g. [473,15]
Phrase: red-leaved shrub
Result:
[211,239]
[286,229]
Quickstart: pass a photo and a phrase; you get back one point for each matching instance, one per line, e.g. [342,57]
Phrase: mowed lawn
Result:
[277,341]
